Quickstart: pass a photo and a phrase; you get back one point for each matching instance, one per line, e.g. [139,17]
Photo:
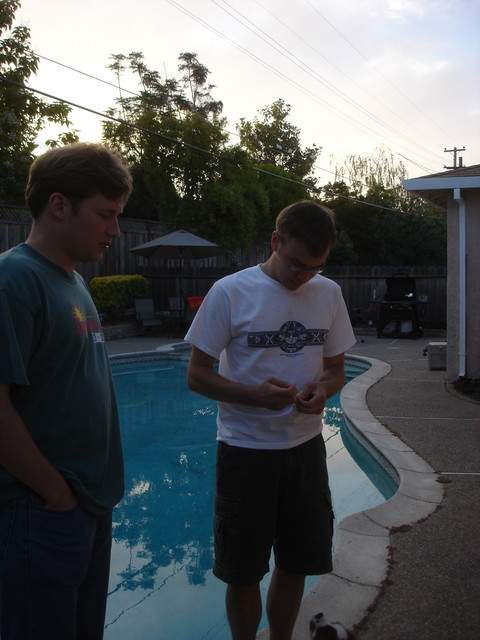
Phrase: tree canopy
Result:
[273,140]
[186,171]
[22,114]
[189,174]
[378,233]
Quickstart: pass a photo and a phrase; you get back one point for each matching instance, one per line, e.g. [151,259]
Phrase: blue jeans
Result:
[54,570]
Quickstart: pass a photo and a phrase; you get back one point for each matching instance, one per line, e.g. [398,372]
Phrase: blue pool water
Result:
[161,579]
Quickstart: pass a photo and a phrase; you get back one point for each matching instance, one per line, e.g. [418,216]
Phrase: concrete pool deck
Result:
[411,567]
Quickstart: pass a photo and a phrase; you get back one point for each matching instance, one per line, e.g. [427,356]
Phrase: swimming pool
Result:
[161,576]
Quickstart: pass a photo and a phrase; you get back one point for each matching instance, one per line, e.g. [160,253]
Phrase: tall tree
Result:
[235,204]
[281,188]
[194,80]
[376,174]
[343,252]
[145,145]
[399,230]
[387,236]
[22,114]
[176,122]
[272,139]
[353,219]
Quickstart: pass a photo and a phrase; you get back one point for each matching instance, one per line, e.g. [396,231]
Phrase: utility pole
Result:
[460,160]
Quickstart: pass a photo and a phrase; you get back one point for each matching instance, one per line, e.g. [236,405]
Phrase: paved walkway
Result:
[433,586]
[409,568]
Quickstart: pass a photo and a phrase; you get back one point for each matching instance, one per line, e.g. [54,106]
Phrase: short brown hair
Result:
[310,223]
[78,171]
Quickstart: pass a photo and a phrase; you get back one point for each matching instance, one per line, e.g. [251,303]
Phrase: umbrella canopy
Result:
[179,244]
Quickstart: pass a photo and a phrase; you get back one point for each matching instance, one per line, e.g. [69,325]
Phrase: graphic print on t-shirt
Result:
[87,324]
[291,337]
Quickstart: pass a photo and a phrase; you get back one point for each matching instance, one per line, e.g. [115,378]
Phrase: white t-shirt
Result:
[257,329]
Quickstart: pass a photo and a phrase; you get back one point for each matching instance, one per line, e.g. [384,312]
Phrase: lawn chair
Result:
[145,313]
[176,309]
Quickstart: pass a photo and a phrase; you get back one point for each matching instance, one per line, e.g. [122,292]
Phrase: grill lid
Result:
[400,287]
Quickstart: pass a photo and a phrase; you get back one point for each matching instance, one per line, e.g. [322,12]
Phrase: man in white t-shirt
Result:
[279,331]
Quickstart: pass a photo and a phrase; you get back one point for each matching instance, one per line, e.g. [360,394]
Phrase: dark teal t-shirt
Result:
[52,352]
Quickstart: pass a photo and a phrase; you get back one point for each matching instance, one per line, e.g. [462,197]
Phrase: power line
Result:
[121,88]
[132,125]
[335,66]
[211,124]
[382,75]
[311,72]
[294,83]
[415,163]
[118,87]
[110,117]
[88,75]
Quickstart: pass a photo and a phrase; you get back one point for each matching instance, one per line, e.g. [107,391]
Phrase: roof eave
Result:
[440,189]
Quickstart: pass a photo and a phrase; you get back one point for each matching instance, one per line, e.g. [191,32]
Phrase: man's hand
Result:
[63,501]
[312,399]
[273,393]
[20,455]
[276,394]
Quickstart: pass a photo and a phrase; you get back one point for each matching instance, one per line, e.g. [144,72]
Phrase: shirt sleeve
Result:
[340,336]
[210,330]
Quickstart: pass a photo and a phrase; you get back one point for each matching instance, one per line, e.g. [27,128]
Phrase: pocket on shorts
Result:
[331,512]
[226,510]
[226,507]
[7,519]
[223,452]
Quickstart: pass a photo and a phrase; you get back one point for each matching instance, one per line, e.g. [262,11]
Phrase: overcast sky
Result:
[357,73]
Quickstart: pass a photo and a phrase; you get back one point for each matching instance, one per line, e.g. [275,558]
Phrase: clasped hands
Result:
[278,394]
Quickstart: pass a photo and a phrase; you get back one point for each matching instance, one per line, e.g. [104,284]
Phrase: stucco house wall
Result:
[448,190]
[472,259]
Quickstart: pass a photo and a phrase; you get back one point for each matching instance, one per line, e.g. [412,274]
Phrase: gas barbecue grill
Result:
[398,313]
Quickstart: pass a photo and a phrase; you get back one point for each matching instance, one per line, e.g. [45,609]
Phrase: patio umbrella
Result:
[181,245]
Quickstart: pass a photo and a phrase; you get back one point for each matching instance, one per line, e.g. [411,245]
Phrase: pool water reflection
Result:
[161,580]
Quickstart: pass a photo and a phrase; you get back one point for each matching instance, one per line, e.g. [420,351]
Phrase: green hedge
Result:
[113,295]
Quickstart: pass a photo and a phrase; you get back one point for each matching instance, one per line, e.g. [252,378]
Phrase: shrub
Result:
[113,295]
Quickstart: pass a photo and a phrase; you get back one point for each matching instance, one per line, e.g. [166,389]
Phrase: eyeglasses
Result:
[296,266]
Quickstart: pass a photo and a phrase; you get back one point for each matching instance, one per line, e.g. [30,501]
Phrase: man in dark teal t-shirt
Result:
[61,465]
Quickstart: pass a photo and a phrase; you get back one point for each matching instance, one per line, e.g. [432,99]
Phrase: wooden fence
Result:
[361,286]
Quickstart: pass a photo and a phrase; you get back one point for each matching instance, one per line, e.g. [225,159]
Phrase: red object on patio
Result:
[194,302]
